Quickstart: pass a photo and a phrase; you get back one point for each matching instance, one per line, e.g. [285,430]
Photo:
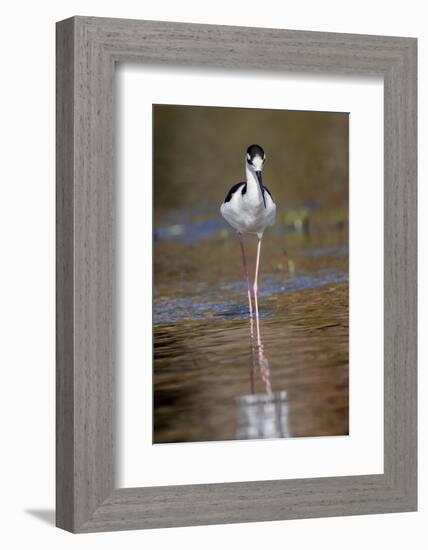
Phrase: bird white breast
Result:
[247,214]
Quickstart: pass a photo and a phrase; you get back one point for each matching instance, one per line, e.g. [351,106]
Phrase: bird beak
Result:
[259,178]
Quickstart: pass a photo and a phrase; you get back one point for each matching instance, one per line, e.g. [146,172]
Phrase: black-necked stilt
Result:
[249,208]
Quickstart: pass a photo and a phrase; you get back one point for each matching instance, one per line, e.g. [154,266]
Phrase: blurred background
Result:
[212,381]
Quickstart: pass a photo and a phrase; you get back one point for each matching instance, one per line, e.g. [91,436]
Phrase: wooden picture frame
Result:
[87,50]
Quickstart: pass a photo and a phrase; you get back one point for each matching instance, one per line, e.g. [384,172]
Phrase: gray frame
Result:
[87,50]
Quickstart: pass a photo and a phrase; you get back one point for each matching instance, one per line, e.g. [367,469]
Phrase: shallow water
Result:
[218,375]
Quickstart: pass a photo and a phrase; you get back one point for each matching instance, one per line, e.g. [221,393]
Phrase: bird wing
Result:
[235,188]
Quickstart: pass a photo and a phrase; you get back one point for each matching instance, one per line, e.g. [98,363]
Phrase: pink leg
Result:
[256,277]
[244,261]
[262,358]
[253,358]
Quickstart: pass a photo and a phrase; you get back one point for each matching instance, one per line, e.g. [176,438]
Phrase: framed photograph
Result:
[236,274]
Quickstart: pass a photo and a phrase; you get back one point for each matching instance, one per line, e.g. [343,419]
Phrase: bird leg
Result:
[255,285]
[244,261]
[263,360]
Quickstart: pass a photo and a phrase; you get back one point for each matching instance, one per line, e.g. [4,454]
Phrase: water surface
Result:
[213,378]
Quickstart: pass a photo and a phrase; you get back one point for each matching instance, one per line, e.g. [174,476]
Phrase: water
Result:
[220,376]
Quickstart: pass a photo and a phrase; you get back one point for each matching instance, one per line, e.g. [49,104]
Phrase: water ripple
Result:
[204,303]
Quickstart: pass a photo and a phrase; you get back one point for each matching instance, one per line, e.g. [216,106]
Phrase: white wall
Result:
[27,270]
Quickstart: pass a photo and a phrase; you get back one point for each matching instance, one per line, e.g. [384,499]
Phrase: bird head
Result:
[255,159]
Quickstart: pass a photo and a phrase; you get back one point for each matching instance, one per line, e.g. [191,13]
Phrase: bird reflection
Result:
[264,415]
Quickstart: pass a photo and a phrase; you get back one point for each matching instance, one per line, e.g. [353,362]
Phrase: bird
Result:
[249,208]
